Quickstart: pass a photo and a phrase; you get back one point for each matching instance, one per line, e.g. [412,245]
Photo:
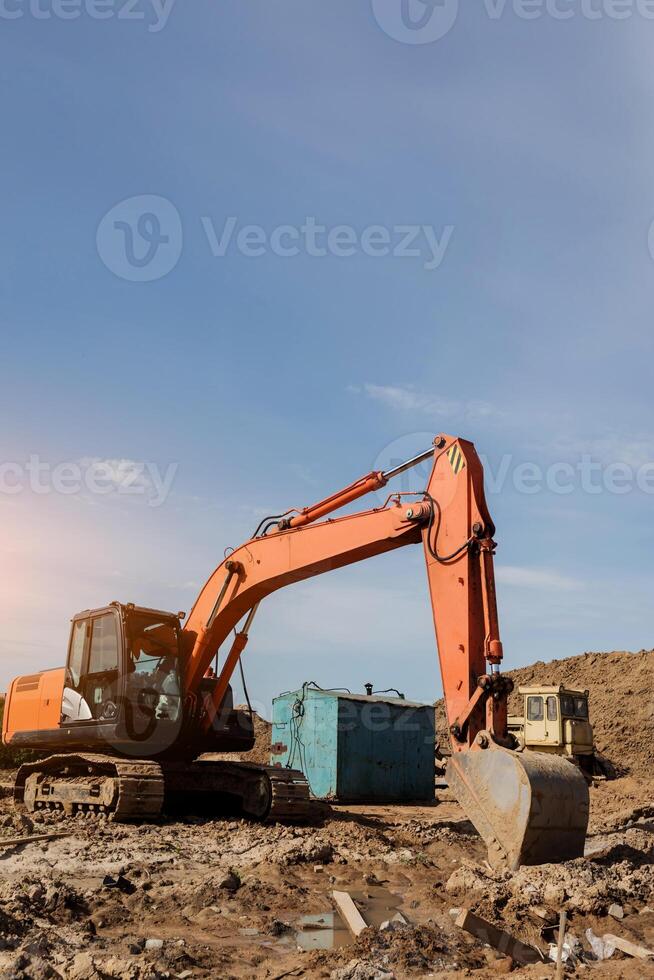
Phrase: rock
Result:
[24,823]
[154,943]
[616,911]
[554,895]
[39,969]
[120,969]
[502,965]
[231,882]
[361,970]
[279,928]
[82,968]
[51,898]
[466,880]
[36,893]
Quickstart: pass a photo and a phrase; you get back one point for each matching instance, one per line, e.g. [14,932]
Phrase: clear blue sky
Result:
[270,381]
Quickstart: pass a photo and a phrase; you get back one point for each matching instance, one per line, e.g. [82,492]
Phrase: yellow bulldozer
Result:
[556,719]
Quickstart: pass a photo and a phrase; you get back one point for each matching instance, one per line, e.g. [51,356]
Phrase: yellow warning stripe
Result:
[456,459]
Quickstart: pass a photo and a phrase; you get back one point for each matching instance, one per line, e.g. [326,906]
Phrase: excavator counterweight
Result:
[137,704]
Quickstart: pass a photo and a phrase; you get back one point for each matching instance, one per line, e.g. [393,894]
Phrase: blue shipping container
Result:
[356,748]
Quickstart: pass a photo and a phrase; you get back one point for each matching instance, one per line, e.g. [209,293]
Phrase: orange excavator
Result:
[137,705]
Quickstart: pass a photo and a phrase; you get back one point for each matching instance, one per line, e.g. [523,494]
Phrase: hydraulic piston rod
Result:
[367,484]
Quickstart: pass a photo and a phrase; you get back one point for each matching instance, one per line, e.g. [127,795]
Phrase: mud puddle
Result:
[327,930]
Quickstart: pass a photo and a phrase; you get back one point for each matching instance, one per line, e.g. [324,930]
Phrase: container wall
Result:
[305,737]
[356,748]
[385,751]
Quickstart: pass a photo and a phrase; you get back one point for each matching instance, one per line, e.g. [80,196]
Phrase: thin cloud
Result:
[537,578]
[118,472]
[635,451]
[407,398]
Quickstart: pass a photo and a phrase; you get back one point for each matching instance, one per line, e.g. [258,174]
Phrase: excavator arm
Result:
[528,807]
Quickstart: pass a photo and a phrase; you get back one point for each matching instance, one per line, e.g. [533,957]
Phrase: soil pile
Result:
[621,689]
[260,754]
[262,729]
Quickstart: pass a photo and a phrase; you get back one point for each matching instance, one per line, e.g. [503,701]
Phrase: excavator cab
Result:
[122,676]
[120,691]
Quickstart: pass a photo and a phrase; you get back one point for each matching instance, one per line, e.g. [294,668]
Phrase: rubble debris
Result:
[600,947]
[556,952]
[498,938]
[33,839]
[361,970]
[616,911]
[349,912]
[631,949]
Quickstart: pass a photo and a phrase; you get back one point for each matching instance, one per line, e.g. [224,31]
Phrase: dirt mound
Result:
[260,754]
[621,689]
[262,729]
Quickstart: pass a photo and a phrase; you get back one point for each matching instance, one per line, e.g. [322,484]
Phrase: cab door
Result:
[91,689]
[542,726]
[73,704]
[535,720]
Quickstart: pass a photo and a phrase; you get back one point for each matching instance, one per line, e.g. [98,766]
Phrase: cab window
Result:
[581,708]
[552,713]
[104,645]
[535,709]
[76,655]
[567,705]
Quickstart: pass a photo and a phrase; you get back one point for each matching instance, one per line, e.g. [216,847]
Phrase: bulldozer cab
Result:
[556,717]
[122,673]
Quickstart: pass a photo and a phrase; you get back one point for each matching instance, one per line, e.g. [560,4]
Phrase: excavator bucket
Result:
[529,807]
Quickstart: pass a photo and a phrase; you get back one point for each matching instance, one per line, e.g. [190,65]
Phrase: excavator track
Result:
[265,793]
[119,789]
[123,790]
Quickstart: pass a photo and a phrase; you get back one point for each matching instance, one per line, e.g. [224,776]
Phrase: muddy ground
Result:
[223,898]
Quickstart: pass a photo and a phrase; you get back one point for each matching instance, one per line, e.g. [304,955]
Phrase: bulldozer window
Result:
[551,709]
[535,709]
[581,708]
[567,706]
